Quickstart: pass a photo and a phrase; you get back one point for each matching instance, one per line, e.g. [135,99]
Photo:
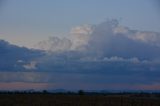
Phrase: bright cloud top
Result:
[107,39]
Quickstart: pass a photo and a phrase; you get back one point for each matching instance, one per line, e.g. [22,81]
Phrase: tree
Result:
[81,92]
[45,91]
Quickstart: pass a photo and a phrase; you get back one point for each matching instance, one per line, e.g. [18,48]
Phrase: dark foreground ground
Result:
[77,100]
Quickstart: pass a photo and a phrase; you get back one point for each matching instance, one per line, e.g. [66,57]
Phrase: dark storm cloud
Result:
[12,57]
[110,70]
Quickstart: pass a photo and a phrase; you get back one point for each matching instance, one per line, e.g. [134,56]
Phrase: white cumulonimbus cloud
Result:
[107,39]
[152,38]
[54,44]
[79,36]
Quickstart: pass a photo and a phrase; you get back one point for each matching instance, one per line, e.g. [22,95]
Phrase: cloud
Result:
[105,42]
[120,59]
[103,54]
[152,38]
[13,57]
[107,39]
[24,86]
[107,53]
[79,36]
[31,77]
[55,44]
[30,66]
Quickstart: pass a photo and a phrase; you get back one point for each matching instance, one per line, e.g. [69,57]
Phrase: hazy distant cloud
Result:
[120,59]
[34,77]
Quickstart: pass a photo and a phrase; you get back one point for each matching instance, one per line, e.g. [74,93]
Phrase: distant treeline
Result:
[82,92]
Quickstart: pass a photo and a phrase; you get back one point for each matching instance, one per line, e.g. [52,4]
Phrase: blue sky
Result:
[80,44]
[28,22]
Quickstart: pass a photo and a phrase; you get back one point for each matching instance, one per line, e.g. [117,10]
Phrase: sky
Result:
[80,44]
[27,22]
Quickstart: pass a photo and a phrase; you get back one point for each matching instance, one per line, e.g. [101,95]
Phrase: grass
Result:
[40,99]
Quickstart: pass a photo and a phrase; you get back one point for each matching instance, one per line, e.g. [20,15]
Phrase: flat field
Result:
[76,100]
